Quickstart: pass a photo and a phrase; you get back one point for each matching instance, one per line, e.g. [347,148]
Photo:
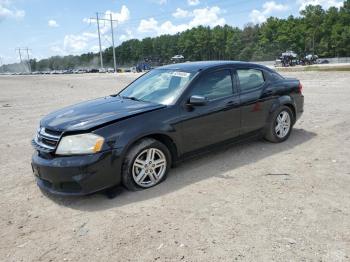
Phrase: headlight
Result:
[80,144]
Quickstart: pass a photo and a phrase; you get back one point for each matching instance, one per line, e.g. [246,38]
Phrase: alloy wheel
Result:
[283,123]
[149,167]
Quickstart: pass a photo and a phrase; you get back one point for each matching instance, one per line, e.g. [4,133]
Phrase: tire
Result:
[136,168]
[279,136]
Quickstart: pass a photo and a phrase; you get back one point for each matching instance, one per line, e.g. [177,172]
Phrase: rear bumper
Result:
[299,106]
[77,175]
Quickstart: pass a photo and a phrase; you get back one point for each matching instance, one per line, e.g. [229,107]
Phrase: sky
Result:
[63,27]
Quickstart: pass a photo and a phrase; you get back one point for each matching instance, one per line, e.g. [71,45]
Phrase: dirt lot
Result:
[250,202]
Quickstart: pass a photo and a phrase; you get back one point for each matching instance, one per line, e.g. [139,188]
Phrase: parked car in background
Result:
[134,137]
[278,63]
[93,70]
[289,58]
[322,61]
[310,59]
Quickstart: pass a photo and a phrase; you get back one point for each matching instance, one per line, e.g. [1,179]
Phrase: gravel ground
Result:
[250,202]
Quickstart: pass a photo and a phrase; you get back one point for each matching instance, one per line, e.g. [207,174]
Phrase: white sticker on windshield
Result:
[181,74]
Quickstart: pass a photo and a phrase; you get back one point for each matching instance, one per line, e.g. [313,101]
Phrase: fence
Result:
[337,60]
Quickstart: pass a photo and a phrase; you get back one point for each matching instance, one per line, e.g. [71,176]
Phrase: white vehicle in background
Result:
[177,58]
[278,62]
[311,59]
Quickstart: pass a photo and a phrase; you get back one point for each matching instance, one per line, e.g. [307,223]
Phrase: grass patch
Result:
[328,69]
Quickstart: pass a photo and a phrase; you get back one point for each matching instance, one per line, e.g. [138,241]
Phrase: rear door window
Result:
[250,79]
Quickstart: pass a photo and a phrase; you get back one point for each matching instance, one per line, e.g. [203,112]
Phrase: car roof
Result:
[203,65]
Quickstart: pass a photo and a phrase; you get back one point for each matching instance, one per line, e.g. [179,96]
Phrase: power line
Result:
[20,55]
[111,20]
[19,49]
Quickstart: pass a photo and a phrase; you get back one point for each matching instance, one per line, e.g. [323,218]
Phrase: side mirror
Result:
[198,100]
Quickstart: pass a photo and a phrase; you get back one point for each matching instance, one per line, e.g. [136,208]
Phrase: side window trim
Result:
[235,80]
[239,83]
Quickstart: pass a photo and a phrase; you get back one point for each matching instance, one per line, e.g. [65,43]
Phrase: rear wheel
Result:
[280,126]
[146,164]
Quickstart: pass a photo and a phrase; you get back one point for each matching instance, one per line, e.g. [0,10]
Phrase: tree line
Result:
[325,33]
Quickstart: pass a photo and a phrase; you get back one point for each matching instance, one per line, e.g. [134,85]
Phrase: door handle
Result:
[268,92]
[231,104]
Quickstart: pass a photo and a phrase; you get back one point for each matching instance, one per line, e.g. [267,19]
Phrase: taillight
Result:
[300,88]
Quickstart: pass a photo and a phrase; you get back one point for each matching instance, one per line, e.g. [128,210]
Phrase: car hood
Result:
[91,114]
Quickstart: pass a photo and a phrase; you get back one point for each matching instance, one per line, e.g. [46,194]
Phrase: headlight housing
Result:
[80,144]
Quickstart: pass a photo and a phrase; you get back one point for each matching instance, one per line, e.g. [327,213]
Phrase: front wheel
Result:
[146,164]
[280,126]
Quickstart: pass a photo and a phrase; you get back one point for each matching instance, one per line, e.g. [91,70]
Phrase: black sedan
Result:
[134,137]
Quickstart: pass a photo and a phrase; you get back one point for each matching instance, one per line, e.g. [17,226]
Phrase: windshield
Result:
[159,86]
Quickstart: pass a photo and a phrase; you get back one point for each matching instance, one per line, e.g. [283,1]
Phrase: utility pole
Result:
[114,60]
[1,65]
[99,39]
[30,67]
[98,19]
[20,55]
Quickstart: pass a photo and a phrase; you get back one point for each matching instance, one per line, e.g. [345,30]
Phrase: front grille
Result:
[46,140]
[53,132]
